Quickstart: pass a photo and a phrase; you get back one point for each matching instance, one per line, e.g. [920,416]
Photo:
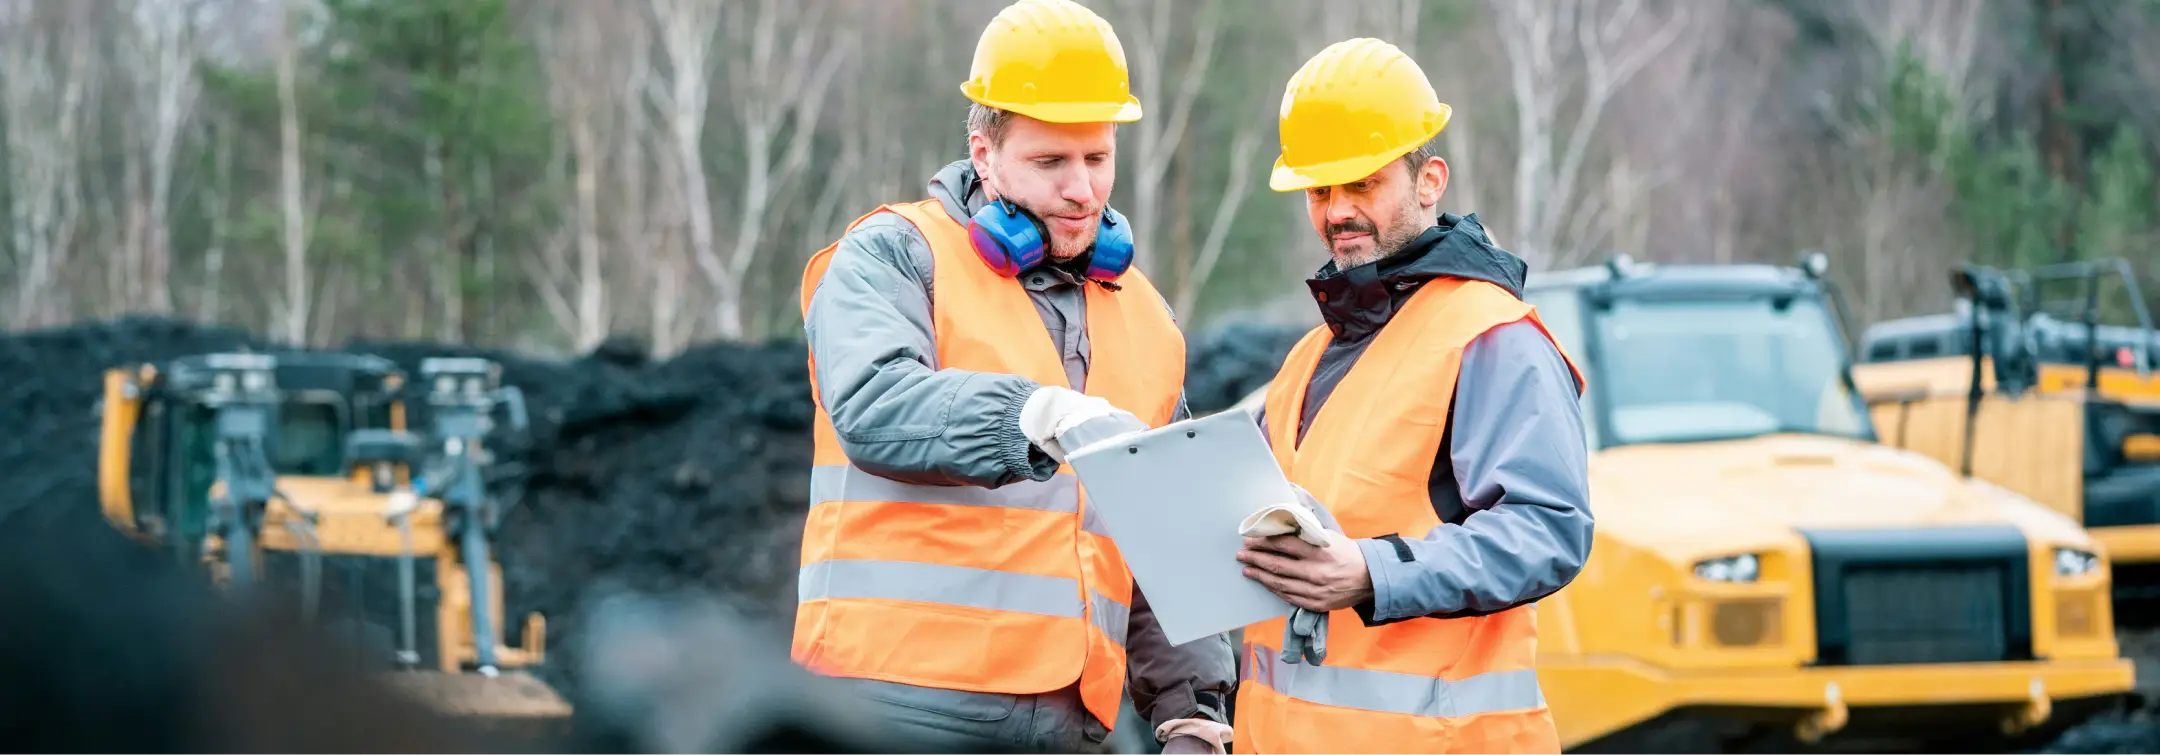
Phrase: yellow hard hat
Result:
[1052,60]
[1351,109]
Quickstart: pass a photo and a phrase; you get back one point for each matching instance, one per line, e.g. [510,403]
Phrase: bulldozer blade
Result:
[511,695]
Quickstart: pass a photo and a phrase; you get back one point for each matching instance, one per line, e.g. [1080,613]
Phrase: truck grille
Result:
[1925,614]
[1957,595]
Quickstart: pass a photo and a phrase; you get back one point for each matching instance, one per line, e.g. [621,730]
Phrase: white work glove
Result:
[1052,413]
[1214,737]
[1305,634]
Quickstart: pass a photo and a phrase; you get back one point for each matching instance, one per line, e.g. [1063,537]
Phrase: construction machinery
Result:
[295,469]
[1767,575]
[2076,426]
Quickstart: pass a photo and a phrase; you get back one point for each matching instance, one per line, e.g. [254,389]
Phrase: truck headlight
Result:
[1741,568]
[2071,562]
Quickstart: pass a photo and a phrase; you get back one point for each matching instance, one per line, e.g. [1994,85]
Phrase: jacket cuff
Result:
[1020,456]
[1180,702]
[1385,561]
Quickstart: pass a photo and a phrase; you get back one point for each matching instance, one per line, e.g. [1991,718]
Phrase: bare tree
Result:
[1568,51]
[686,29]
[1244,150]
[290,189]
[777,80]
[49,78]
[217,202]
[163,66]
[1946,36]
[588,74]
[1154,36]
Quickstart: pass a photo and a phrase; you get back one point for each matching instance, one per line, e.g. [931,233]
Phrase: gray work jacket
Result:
[900,416]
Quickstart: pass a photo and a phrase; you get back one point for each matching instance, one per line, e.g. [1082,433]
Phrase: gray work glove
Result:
[1305,635]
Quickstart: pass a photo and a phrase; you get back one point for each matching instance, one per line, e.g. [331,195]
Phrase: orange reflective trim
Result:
[1103,694]
[824,440]
[1022,542]
[1421,685]
[1001,330]
[949,647]
[985,570]
[1100,553]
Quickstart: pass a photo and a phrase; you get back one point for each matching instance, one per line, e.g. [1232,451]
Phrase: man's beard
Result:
[1057,248]
[1398,235]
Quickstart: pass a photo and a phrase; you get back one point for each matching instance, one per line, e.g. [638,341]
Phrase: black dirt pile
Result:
[685,475]
[1225,364]
[652,477]
[50,384]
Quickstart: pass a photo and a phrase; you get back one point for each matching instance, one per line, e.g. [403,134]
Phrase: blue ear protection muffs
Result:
[1010,239]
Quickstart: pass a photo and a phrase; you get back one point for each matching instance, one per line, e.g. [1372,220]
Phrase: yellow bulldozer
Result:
[2041,398]
[1766,575]
[269,470]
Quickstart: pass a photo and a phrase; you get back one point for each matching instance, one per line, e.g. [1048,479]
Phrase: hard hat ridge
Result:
[1351,109]
[1052,60]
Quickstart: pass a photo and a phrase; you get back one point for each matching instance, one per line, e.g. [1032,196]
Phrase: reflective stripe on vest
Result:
[1014,590]
[1422,684]
[1060,494]
[1390,692]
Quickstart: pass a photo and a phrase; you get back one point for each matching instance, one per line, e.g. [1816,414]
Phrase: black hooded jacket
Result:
[1511,484]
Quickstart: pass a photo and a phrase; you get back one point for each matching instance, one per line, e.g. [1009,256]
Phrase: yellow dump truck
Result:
[2082,437]
[1765,571]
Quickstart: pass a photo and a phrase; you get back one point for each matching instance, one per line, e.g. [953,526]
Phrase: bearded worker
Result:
[959,345]
[1436,420]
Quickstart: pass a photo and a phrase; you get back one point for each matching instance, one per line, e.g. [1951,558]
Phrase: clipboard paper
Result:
[1172,498]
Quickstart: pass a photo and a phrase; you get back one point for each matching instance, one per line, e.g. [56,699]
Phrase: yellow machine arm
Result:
[122,406]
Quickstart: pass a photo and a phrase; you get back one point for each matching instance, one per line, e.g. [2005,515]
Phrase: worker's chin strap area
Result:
[1305,633]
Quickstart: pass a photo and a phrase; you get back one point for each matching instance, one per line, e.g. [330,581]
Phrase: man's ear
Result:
[1432,182]
[979,154]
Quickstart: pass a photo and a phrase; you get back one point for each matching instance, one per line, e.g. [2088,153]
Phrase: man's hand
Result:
[1309,576]
[1193,735]
[1051,412]
[1187,745]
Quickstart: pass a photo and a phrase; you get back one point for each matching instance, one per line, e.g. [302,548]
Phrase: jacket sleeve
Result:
[1521,459]
[896,412]
[1169,682]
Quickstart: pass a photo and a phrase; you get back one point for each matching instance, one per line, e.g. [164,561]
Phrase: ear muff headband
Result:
[1010,239]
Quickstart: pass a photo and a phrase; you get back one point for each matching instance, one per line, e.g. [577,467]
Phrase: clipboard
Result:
[1172,499]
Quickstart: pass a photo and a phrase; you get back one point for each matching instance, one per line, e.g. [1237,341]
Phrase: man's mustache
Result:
[1354,226]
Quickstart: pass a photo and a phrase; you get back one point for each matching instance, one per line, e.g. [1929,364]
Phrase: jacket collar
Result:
[1356,302]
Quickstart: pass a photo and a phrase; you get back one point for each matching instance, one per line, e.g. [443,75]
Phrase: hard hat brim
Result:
[1285,178]
[1346,170]
[1065,112]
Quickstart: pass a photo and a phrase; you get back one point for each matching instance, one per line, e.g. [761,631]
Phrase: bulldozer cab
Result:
[303,407]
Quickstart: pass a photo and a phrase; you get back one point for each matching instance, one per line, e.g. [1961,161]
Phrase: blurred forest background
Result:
[541,174]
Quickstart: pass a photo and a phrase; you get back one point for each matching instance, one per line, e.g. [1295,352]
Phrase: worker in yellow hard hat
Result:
[1434,419]
[959,345]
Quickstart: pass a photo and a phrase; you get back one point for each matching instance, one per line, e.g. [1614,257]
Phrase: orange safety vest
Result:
[1423,684]
[1014,590]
